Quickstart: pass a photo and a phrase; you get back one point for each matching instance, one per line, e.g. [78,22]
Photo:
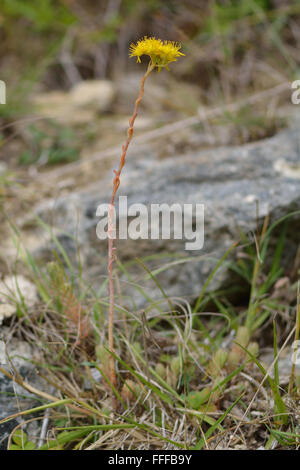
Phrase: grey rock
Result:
[285,362]
[13,398]
[227,180]
[13,290]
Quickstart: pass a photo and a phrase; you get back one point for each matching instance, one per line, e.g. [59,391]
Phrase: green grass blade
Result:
[210,431]
[283,415]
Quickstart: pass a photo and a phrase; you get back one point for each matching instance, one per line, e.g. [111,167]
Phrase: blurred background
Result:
[71,84]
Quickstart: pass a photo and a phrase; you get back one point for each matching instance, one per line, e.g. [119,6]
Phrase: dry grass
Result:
[181,381]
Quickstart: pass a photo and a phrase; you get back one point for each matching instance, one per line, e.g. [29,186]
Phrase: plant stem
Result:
[296,340]
[111,237]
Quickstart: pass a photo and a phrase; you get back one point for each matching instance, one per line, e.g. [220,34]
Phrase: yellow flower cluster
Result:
[160,52]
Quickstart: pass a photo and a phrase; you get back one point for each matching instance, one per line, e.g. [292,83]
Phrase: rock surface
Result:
[80,105]
[13,290]
[14,398]
[285,362]
[227,180]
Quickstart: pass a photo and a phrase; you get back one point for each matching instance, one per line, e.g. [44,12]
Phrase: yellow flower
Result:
[160,52]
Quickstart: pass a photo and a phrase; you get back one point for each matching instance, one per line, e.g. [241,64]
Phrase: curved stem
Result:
[111,249]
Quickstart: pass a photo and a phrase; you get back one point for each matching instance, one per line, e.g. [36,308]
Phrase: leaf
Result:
[65,438]
[20,438]
[29,445]
[285,438]
[197,398]
[14,447]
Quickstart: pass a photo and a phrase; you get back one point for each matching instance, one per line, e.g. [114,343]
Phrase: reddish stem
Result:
[111,249]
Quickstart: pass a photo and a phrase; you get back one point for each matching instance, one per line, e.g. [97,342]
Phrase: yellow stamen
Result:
[160,52]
